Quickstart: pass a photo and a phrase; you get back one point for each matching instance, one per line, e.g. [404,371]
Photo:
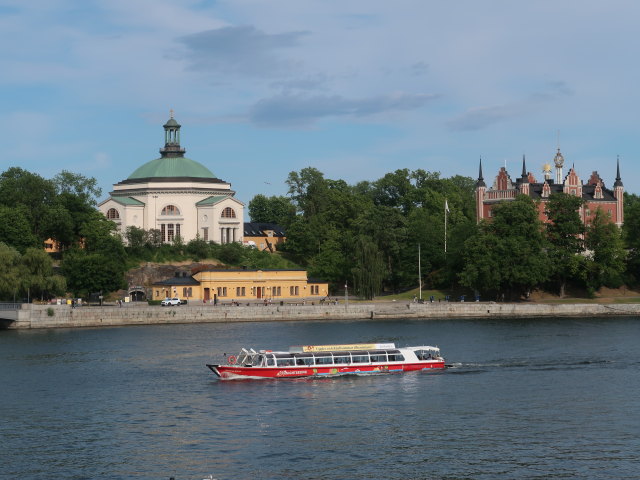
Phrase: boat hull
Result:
[233,372]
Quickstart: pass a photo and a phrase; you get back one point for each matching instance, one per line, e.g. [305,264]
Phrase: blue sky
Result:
[354,88]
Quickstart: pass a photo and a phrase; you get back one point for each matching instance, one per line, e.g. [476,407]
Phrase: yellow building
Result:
[242,286]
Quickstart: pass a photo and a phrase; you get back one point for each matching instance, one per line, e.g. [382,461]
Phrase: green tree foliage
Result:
[606,252]
[395,213]
[12,273]
[275,209]
[508,254]
[631,236]
[20,188]
[15,228]
[29,275]
[39,275]
[88,272]
[565,232]
[369,270]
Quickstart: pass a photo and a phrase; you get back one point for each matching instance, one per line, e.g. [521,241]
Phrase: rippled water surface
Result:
[543,398]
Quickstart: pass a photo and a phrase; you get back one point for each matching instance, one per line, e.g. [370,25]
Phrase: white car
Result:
[170,301]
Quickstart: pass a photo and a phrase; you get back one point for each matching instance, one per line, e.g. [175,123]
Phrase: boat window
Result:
[341,359]
[396,357]
[304,360]
[379,358]
[360,358]
[258,360]
[323,358]
[424,354]
[270,361]
[285,362]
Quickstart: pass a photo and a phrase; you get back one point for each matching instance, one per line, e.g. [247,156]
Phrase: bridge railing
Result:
[10,306]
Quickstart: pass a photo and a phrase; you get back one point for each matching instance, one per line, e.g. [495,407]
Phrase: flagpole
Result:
[419,274]
[446,210]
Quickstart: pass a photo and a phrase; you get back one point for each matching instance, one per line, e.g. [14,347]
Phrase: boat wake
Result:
[466,368]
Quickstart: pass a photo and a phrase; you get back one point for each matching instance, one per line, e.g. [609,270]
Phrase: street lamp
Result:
[346,295]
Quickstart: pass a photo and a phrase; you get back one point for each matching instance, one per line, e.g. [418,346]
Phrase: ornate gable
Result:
[503,181]
[573,184]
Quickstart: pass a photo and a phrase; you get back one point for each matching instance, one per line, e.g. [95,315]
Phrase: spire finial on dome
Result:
[171,113]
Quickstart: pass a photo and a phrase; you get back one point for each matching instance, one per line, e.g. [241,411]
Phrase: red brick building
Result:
[594,192]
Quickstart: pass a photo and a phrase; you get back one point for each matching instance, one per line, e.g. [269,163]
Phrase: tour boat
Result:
[327,361]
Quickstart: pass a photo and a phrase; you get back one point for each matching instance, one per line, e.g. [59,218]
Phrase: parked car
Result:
[170,302]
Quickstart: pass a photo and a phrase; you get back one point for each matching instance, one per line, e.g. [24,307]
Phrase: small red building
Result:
[594,192]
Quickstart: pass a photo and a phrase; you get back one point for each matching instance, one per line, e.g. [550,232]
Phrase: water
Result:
[534,399]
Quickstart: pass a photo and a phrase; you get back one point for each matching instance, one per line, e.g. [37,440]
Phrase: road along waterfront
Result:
[56,316]
[526,398]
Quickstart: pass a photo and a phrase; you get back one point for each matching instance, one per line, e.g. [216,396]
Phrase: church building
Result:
[594,193]
[176,196]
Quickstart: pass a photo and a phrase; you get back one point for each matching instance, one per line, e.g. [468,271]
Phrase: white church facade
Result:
[176,196]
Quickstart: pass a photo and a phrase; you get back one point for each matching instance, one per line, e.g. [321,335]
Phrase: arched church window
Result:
[228,213]
[113,214]
[170,210]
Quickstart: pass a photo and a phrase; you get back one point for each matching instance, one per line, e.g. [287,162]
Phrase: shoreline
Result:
[31,316]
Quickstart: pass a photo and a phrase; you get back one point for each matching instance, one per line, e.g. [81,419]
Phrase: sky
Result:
[355,89]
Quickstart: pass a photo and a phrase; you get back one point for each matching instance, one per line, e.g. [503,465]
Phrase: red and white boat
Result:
[328,360]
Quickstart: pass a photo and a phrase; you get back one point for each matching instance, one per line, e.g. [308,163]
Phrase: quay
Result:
[31,316]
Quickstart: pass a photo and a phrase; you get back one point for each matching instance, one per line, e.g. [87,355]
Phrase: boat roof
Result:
[348,347]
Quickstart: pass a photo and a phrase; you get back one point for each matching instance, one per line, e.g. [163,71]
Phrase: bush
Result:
[51,312]
[154,302]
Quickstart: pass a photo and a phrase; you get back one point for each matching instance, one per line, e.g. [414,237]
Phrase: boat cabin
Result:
[296,357]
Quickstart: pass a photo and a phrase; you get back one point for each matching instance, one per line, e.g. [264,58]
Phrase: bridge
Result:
[8,313]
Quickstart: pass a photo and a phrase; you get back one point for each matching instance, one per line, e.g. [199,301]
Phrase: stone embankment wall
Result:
[58,316]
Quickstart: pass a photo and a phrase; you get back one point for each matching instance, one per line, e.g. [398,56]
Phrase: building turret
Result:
[481,187]
[558,160]
[618,193]
[524,178]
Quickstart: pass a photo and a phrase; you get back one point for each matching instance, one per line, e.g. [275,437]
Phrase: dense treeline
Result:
[93,258]
[366,235]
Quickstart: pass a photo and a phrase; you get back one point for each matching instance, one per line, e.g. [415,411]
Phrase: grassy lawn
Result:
[610,296]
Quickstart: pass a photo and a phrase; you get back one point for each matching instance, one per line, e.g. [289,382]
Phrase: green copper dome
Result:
[172,163]
[172,167]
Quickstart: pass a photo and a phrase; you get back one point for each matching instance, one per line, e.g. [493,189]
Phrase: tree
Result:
[565,231]
[40,278]
[12,275]
[606,252]
[92,272]
[137,238]
[275,209]
[631,235]
[15,228]
[20,187]
[84,188]
[508,254]
[369,270]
